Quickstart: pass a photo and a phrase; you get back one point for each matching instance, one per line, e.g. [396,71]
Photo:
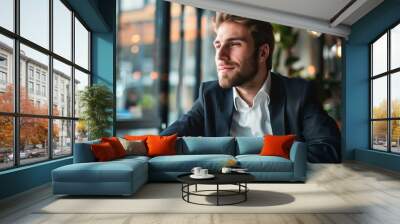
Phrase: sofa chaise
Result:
[125,176]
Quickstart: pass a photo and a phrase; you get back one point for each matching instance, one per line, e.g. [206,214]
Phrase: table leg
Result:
[245,191]
[217,194]
[196,188]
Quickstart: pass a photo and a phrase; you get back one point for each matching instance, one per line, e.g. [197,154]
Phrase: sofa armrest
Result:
[83,152]
[298,155]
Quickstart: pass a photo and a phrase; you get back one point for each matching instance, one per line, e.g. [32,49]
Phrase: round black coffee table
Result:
[238,179]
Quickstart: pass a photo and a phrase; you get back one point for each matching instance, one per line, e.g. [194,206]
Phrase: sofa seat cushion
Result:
[185,163]
[112,171]
[257,163]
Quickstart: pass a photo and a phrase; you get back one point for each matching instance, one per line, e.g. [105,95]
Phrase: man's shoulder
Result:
[293,83]
[211,87]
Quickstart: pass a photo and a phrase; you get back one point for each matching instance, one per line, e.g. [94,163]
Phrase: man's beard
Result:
[247,73]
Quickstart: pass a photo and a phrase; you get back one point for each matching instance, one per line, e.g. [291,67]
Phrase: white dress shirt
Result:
[255,120]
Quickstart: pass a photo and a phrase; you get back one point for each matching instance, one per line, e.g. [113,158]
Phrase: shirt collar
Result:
[265,89]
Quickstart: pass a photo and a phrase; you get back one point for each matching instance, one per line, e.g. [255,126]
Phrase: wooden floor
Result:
[377,188]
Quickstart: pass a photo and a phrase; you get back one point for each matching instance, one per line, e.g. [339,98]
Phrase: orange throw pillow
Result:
[161,145]
[116,145]
[103,152]
[278,145]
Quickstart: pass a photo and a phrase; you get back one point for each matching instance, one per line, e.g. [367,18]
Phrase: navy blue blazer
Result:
[294,109]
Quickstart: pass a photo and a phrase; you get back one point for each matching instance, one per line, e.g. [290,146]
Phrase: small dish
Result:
[208,176]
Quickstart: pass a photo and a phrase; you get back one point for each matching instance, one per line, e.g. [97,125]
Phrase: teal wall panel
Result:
[356,81]
[24,178]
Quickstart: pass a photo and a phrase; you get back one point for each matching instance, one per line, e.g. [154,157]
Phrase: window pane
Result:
[81,131]
[379,97]
[136,81]
[7,14]
[182,85]
[6,142]
[33,139]
[208,51]
[6,74]
[395,136]
[62,29]
[379,55]
[62,89]
[81,45]
[62,138]
[35,21]
[379,135]
[395,94]
[81,81]
[34,72]
[395,47]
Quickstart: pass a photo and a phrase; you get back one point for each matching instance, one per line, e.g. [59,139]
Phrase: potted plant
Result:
[96,103]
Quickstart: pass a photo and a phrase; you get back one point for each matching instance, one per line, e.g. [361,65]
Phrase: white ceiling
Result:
[316,15]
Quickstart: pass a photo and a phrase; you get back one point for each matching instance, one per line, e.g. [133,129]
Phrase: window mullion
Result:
[50,81]
[16,84]
[73,82]
[389,76]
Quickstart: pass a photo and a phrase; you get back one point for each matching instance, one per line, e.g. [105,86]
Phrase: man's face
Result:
[235,55]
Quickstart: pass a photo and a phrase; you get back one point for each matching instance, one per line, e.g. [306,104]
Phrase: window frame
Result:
[16,114]
[388,74]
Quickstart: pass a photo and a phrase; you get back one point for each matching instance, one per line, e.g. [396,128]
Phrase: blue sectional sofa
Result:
[125,176]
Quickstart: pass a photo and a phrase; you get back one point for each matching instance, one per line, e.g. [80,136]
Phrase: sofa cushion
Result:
[206,145]
[83,152]
[116,145]
[257,163]
[277,145]
[103,151]
[249,145]
[185,163]
[161,145]
[134,147]
[111,171]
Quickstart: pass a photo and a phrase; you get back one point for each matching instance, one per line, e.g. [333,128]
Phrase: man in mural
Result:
[250,100]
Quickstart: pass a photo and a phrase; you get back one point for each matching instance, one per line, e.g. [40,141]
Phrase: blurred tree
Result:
[286,38]
[34,130]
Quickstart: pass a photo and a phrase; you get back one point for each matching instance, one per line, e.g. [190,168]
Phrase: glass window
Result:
[137,81]
[40,62]
[395,136]
[395,95]
[81,131]
[208,51]
[182,85]
[6,73]
[37,89]
[81,81]
[6,142]
[62,138]
[62,29]
[81,45]
[30,71]
[379,133]
[63,72]
[379,100]
[7,14]
[395,47]
[30,87]
[35,21]
[382,119]
[379,55]
[33,140]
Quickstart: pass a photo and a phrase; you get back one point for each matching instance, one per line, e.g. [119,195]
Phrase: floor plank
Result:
[377,190]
